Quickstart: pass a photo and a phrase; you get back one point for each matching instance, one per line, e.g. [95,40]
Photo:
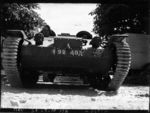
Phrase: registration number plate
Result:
[67,52]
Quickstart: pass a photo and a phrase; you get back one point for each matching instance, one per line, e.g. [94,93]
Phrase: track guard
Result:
[16,33]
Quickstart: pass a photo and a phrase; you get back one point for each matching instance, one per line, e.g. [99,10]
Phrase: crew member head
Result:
[39,37]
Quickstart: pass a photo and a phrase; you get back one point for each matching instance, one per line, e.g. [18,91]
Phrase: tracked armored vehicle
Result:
[103,67]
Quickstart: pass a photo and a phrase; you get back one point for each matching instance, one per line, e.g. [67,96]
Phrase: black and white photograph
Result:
[75,56]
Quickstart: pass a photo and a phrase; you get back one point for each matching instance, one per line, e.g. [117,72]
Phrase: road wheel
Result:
[48,77]
[104,83]
[29,78]
[93,80]
[45,78]
[100,83]
[145,74]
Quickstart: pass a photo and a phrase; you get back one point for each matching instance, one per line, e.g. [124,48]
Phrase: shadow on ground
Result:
[53,89]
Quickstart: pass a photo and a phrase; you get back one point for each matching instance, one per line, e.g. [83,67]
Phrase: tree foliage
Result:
[20,16]
[121,18]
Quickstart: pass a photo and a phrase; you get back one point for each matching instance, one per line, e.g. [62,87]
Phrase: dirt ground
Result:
[50,96]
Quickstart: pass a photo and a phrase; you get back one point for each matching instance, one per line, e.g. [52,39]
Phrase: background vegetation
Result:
[121,18]
[20,16]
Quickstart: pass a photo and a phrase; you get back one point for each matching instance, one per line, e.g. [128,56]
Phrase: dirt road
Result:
[48,96]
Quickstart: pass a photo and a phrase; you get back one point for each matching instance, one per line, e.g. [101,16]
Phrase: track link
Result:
[10,60]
